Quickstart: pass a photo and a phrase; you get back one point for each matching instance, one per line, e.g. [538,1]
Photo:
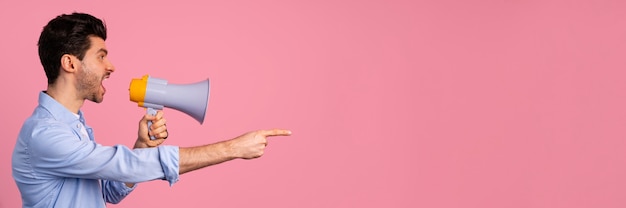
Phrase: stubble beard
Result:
[89,85]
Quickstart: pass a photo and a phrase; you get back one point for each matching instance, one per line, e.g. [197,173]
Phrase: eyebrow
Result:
[106,52]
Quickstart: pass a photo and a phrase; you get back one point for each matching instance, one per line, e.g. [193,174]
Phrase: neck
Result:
[66,95]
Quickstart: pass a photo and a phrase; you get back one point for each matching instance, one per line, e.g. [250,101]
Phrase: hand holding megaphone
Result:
[154,135]
[155,94]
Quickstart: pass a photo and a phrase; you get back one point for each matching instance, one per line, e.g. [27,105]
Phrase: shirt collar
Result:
[58,111]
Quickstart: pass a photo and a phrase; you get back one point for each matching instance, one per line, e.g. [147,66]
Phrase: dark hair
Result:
[67,34]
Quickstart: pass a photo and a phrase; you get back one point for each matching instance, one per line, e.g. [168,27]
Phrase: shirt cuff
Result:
[169,162]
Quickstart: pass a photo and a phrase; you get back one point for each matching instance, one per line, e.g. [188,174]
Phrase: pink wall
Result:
[392,103]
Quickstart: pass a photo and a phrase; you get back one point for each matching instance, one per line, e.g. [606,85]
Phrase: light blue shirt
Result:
[57,163]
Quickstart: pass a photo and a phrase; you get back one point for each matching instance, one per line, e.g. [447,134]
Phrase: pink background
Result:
[392,103]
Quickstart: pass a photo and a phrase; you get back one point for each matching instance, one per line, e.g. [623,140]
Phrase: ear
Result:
[69,63]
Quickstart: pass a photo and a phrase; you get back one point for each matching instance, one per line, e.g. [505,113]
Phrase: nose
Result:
[110,66]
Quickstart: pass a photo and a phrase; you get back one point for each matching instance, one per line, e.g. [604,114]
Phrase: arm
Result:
[247,146]
[115,191]
[158,129]
[57,152]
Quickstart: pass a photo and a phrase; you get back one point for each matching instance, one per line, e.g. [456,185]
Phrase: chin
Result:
[96,99]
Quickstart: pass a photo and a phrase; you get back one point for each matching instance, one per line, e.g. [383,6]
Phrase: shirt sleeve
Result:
[58,152]
[115,191]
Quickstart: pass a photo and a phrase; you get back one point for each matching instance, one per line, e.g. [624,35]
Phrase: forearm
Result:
[193,158]
[144,143]
[247,146]
[138,144]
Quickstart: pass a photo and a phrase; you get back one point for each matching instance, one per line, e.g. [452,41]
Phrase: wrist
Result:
[139,144]
[229,150]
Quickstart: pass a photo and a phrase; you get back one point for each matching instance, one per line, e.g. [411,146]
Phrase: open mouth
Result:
[102,83]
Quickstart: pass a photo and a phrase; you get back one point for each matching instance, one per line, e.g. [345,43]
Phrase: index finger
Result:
[159,114]
[276,132]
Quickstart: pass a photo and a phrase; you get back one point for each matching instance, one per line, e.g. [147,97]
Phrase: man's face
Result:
[94,69]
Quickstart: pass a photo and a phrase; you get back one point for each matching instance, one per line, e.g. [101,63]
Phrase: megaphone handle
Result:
[152,112]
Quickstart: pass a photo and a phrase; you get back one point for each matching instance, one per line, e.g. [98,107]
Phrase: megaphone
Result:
[155,94]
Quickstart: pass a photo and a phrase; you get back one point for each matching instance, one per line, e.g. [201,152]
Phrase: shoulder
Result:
[41,125]
[42,133]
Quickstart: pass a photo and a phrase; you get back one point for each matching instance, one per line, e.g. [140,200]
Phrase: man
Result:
[56,161]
